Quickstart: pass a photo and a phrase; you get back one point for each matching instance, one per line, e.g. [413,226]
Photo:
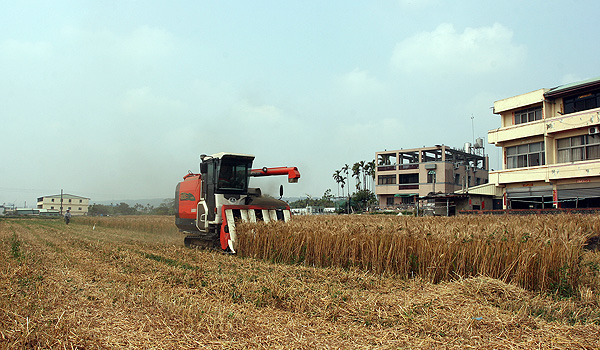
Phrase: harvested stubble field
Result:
[128,282]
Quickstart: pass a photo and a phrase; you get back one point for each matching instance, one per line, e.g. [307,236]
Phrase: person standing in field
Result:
[67,216]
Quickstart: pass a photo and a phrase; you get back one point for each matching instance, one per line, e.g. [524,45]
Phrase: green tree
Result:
[309,201]
[99,209]
[124,209]
[327,200]
[337,177]
[166,207]
[356,169]
[345,169]
[362,200]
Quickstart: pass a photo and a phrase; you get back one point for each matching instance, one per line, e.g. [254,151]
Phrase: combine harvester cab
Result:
[209,203]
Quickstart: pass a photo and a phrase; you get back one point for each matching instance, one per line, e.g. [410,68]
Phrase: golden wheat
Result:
[535,252]
[77,286]
[146,223]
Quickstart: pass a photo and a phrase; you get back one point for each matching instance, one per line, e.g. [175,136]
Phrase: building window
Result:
[80,201]
[582,102]
[528,115]
[389,201]
[430,177]
[52,200]
[52,207]
[80,209]
[69,201]
[408,200]
[576,148]
[524,156]
[457,179]
[409,178]
[408,182]
[386,180]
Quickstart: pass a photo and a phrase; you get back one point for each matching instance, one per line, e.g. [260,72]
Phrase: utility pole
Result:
[61,201]
[473,127]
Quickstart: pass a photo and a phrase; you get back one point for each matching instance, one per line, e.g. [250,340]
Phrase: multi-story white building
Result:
[76,204]
[404,175]
[550,141]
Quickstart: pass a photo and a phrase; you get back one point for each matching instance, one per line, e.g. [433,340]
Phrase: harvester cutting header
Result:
[207,204]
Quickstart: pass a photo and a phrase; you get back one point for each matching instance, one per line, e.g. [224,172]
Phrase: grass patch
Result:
[15,247]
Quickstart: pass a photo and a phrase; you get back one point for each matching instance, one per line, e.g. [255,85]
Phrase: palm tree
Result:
[356,168]
[370,171]
[384,159]
[363,170]
[345,170]
[338,179]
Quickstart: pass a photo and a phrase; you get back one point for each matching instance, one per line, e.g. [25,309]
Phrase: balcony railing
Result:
[408,166]
[386,167]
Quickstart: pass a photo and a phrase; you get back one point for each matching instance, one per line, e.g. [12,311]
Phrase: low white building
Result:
[313,210]
[76,204]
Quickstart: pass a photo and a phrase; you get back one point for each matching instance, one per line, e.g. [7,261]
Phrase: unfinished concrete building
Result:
[406,174]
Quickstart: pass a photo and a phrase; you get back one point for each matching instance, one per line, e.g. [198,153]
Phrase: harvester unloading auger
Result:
[208,204]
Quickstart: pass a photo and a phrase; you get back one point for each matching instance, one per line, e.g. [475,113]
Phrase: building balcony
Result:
[515,132]
[386,167]
[552,172]
[581,169]
[517,175]
[573,121]
[408,166]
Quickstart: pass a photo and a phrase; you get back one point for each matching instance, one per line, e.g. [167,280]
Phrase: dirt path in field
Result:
[78,287]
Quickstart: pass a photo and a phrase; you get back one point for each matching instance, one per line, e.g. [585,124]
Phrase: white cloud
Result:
[360,82]
[143,102]
[416,4]
[24,49]
[253,114]
[570,78]
[146,41]
[444,50]
[142,43]
[369,132]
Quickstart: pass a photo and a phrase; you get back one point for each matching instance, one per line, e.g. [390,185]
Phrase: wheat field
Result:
[540,253]
[128,282]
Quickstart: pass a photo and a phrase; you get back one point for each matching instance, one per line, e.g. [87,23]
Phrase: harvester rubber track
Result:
[201,242]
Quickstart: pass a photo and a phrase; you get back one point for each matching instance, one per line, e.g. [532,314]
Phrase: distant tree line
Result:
[167,207]
[362,171]
[360,200]
[326,201]
[363,197]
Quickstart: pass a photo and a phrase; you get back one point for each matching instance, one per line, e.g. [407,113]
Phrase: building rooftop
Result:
[64,195]
[489,189]
[571,87]
[519,101]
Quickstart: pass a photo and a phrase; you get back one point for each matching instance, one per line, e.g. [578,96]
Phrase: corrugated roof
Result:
[567,88]
[65,195]
[489,189]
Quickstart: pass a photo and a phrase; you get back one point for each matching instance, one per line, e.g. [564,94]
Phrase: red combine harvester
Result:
[208,204]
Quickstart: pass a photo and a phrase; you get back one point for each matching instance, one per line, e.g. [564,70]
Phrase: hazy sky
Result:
[117,99]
